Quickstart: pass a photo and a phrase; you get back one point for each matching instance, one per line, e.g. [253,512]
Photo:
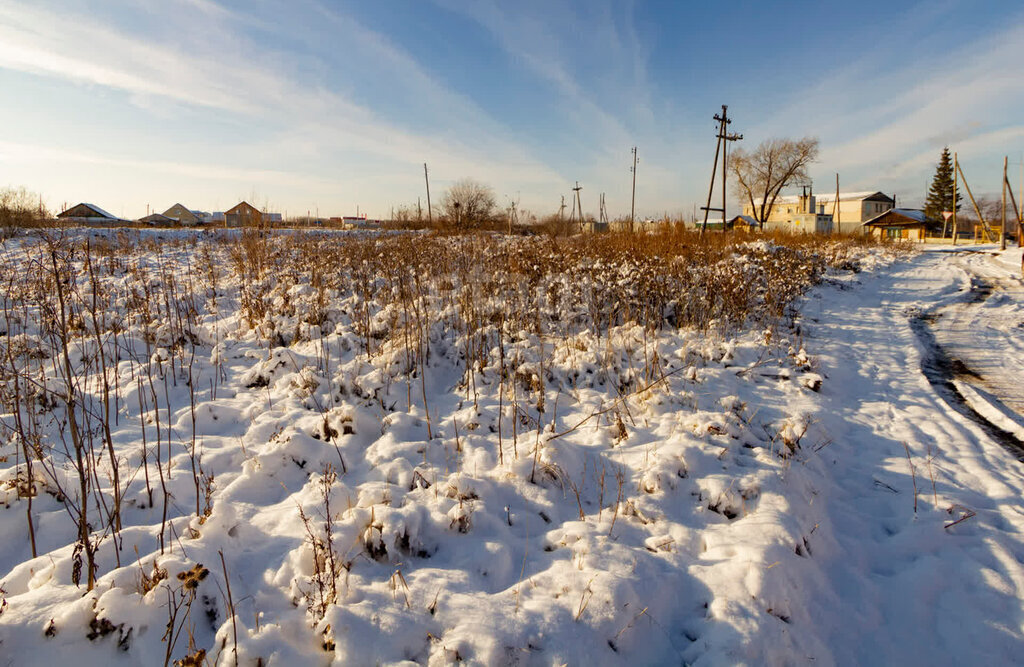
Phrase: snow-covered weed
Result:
[364,421]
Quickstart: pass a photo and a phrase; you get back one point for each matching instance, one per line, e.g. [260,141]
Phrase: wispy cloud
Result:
[884,119]
[230,72]
[27,154]
[301,97]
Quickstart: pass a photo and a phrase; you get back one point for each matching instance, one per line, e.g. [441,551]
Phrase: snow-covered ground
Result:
[905,585]
[983,331]
[791,493]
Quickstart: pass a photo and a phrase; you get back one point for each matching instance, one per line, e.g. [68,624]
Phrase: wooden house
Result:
[89,213]
[184,215]
[745,223]
[243,214]
[902,223]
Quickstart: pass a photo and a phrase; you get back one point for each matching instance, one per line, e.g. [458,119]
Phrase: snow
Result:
[780,494]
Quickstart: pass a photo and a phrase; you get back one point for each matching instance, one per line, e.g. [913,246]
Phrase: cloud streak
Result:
[222,75]
[304,98]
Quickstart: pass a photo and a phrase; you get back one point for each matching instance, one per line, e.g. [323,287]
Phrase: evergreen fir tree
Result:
[940,194]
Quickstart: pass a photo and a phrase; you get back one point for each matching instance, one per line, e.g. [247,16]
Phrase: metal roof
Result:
[911,215]
[825,198]
[97,209]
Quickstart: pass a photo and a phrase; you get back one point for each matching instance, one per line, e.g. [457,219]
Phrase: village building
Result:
[184,216]
[592,226]
[853,210]
[87,213]
[902,224]
[359,222]
[157,219]
[712,224]
[243,214]
[796,214]
[745,223]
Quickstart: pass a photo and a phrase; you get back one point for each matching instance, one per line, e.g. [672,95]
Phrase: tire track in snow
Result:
[972,342]
[922,593]
[942,370]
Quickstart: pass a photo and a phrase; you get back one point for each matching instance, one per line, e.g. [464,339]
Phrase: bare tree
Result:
[21,208]
[762,173]
[468,203]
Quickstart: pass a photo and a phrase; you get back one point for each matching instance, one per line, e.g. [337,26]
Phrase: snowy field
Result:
[428,450]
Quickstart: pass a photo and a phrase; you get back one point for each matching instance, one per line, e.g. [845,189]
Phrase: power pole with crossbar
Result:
[721,147]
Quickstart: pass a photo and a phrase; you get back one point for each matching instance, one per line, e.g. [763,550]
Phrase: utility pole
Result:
[1018,209]
[513,216]
[430,212]
[1002,223]
[723,138]
[835,209]
[576,205]
[725,154]
[956,171]
[977,209]
[1019,218]
[632,205]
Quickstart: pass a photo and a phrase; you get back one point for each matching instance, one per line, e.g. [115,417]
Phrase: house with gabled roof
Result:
[243,214]
[87,213]
[745,222]
[902,224]
[184,215]
[855,208]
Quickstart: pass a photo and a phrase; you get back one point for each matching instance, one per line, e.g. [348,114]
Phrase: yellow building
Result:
[795,214]
[855,208]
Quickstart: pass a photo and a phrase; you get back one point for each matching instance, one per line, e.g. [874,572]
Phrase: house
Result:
[157,219]
[182,215]
[87,213]
[243,214]
[744,222]
[853,210]
[902,223]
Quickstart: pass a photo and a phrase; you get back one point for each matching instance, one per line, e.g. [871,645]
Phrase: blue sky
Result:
[327,106]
